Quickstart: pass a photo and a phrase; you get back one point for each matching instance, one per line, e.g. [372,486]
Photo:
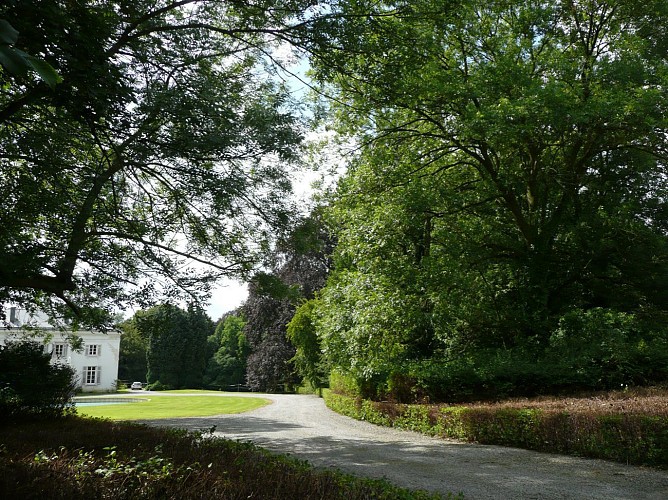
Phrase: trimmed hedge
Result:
[629,438]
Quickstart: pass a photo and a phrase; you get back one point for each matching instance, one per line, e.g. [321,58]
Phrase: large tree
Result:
[302,262]
[512,169]
[226,367]
[177,348]
[157,164]
[132,365]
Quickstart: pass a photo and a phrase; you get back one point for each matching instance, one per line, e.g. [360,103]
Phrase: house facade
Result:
[95,363]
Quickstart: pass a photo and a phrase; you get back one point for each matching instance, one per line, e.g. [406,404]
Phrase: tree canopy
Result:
[227,365]
[511,174]
[156,165]
[177,350]
[302,262]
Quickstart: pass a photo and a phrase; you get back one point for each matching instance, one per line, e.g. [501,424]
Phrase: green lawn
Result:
[162,406]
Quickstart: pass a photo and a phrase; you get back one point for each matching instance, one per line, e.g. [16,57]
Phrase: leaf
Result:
[8,35]
[44,70]
[13,60]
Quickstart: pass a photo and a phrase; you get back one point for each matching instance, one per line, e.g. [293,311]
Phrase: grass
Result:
[78,457]
[202,404]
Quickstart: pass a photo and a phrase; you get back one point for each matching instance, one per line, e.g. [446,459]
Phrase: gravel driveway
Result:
[304,427]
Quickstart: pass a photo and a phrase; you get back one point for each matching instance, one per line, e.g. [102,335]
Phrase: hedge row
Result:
[628,438]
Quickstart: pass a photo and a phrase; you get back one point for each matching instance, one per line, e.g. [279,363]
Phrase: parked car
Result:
[136,385]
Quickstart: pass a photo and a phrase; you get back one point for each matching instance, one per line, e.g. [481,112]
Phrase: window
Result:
[91,375]
[93,350]
[60,350]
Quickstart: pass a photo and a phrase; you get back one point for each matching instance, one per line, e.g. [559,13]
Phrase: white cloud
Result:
[226,297]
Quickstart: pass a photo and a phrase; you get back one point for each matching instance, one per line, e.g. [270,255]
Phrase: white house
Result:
[95,364]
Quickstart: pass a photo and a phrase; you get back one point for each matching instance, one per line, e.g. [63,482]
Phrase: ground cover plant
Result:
[624,426]
[102,459]
[181,405]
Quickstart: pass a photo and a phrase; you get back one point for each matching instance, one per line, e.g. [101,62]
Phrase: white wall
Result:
[104,358]
[100,353]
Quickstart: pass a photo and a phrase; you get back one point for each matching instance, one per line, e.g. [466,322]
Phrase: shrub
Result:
[598,349]
[94,458]
[30,386]
[159,386]
[605,349]
[341,383]
[633,438]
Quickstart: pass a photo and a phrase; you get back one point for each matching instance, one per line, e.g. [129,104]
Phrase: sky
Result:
[231,294]
[227,297]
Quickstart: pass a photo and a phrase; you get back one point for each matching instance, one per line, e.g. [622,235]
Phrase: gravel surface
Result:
[304,427]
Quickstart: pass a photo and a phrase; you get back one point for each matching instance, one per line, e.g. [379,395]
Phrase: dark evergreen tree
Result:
[177,346]
[132,365]
[198,328]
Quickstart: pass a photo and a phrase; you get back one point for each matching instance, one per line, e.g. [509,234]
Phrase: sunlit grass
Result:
[163,406]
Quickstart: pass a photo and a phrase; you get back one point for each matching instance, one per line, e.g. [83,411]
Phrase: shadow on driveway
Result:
[304,427]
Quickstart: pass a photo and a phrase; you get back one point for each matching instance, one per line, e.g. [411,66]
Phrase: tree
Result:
[227,365]
[268,366]
[302,261]
[30,385]
[157,165]
[177,345]
[511,171]
[308,359]
[132,357]
[199,328]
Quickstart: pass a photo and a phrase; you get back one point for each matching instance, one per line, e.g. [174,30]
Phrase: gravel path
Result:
[304,427]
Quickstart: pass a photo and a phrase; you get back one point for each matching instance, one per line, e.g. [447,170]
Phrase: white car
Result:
[136,386]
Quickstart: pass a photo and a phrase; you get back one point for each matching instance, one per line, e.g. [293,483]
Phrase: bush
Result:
[30,386]
[341,383]
[598,349]
[95,458]
[633,438]
[605,349]
[159,386]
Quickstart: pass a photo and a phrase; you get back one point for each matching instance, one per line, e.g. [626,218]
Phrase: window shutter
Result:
[98,375]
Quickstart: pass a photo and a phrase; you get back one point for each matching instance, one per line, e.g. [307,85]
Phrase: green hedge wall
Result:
[628,438]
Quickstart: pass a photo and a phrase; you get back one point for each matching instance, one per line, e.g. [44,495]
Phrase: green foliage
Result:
[340,383]
[30,385]
[227,365]
[18,63]
[132,356]
[590,350]
[177,345]
[308,357]
[607,349]
[159,163]
[508,192]
[149,463]
[627,438]
[361,409]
